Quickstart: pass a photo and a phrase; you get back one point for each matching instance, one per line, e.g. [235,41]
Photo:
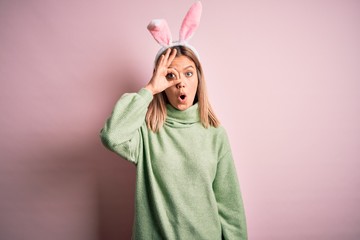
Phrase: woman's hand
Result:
[164,77]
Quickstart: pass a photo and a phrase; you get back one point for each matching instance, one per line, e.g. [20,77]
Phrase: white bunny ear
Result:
[159,29]
[190,22]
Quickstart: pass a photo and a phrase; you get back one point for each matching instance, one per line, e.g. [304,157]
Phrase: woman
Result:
[186,184]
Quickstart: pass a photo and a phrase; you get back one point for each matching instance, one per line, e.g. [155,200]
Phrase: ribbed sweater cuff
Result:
[146,95]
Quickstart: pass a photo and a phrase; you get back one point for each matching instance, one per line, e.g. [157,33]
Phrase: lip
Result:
[182,99]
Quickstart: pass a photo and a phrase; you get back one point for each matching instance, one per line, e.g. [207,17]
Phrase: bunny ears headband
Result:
[160,30]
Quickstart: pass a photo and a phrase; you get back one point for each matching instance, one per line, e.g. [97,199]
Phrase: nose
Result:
[180,84]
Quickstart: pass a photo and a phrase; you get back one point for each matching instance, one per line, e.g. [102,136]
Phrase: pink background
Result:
[283,76]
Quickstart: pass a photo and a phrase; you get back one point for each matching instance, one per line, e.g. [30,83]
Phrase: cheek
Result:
[194,84]
[169,93]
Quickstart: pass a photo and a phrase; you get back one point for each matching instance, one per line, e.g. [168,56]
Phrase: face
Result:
[182,95]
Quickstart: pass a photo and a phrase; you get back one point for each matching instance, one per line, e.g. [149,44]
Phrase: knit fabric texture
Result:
[186,182]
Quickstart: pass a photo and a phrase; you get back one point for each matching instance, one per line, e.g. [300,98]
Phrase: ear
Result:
[159,29]
[190,22]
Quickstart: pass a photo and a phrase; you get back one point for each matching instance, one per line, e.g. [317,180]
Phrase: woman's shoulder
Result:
[218,132]
[220,139]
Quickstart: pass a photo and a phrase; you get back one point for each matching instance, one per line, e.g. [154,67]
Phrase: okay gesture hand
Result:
[164,77]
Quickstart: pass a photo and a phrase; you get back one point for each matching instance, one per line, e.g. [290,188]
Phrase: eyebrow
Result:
[190,66]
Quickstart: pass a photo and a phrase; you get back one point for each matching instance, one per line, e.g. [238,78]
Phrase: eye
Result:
[170,76]
[189,74]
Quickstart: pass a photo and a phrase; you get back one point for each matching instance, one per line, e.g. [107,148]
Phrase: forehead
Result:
[182,62]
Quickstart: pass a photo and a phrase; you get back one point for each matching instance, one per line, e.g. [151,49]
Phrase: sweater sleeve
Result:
[121,133]
[229,200]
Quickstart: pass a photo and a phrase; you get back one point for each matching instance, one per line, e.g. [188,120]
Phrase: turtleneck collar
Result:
[180,119]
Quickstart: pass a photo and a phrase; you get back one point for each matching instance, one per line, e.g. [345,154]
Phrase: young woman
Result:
[186,183]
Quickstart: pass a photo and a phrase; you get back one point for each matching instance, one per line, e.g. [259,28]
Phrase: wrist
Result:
[150,88]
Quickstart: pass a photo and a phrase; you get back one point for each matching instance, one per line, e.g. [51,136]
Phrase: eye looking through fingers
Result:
[172,74]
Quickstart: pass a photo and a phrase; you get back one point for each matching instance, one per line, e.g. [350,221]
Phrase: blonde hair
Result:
[156,114]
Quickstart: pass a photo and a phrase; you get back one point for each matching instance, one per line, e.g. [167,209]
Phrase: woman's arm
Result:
[121,132]
[228,196]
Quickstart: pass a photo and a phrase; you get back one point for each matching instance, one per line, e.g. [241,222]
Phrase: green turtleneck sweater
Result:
[186,182]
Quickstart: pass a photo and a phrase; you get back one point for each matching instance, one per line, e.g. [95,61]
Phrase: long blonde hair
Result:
[156,114]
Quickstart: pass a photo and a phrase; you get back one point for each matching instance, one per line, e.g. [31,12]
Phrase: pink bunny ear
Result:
[190,22]
[159,29]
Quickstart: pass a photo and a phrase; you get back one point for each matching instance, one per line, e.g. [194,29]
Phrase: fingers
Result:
[172,56]
[163,58]
[167,57]
[164,75]
[175,74]
[174,82]
[175,78]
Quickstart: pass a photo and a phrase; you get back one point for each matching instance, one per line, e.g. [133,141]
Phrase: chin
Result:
[181,107]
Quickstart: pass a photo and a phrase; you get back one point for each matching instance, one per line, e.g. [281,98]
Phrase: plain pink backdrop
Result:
[283,76]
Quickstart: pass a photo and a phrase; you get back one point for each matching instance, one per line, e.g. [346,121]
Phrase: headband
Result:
[160,30]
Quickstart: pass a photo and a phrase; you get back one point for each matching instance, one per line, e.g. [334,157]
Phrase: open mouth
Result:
[182,97]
